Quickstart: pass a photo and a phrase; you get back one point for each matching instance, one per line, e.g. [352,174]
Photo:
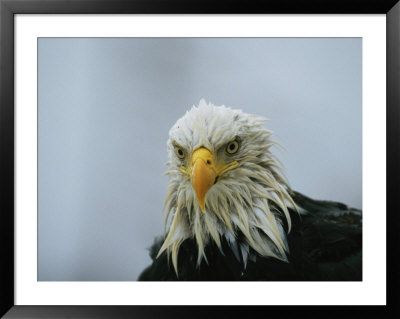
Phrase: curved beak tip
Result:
[203,206]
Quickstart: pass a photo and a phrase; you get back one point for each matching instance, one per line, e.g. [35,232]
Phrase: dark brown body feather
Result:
[325,244]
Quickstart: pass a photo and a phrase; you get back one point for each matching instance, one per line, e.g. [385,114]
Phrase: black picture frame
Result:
[8,8]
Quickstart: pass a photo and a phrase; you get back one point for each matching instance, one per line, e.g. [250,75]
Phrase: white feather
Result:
[242,197]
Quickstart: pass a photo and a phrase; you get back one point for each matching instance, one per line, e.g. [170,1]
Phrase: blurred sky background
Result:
[105,108]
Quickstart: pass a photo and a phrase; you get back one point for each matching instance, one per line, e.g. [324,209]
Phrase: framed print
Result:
[92,91]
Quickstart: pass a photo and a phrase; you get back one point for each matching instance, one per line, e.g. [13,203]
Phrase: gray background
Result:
[105,109]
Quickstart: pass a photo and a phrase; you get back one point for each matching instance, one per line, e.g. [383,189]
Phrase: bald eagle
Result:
[231,214]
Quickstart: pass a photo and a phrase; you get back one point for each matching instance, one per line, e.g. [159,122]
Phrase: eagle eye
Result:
[232,147]
[179,152]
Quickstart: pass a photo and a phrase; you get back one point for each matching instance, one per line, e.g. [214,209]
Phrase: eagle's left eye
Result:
[232,147]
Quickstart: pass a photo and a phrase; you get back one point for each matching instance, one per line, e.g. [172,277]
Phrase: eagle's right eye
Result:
[179,153]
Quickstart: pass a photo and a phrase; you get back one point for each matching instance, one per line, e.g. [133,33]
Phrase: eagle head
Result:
[224,184]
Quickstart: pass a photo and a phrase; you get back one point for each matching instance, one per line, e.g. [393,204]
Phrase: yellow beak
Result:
[203,174]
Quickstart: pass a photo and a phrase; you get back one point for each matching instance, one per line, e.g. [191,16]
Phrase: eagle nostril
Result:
[208,162]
